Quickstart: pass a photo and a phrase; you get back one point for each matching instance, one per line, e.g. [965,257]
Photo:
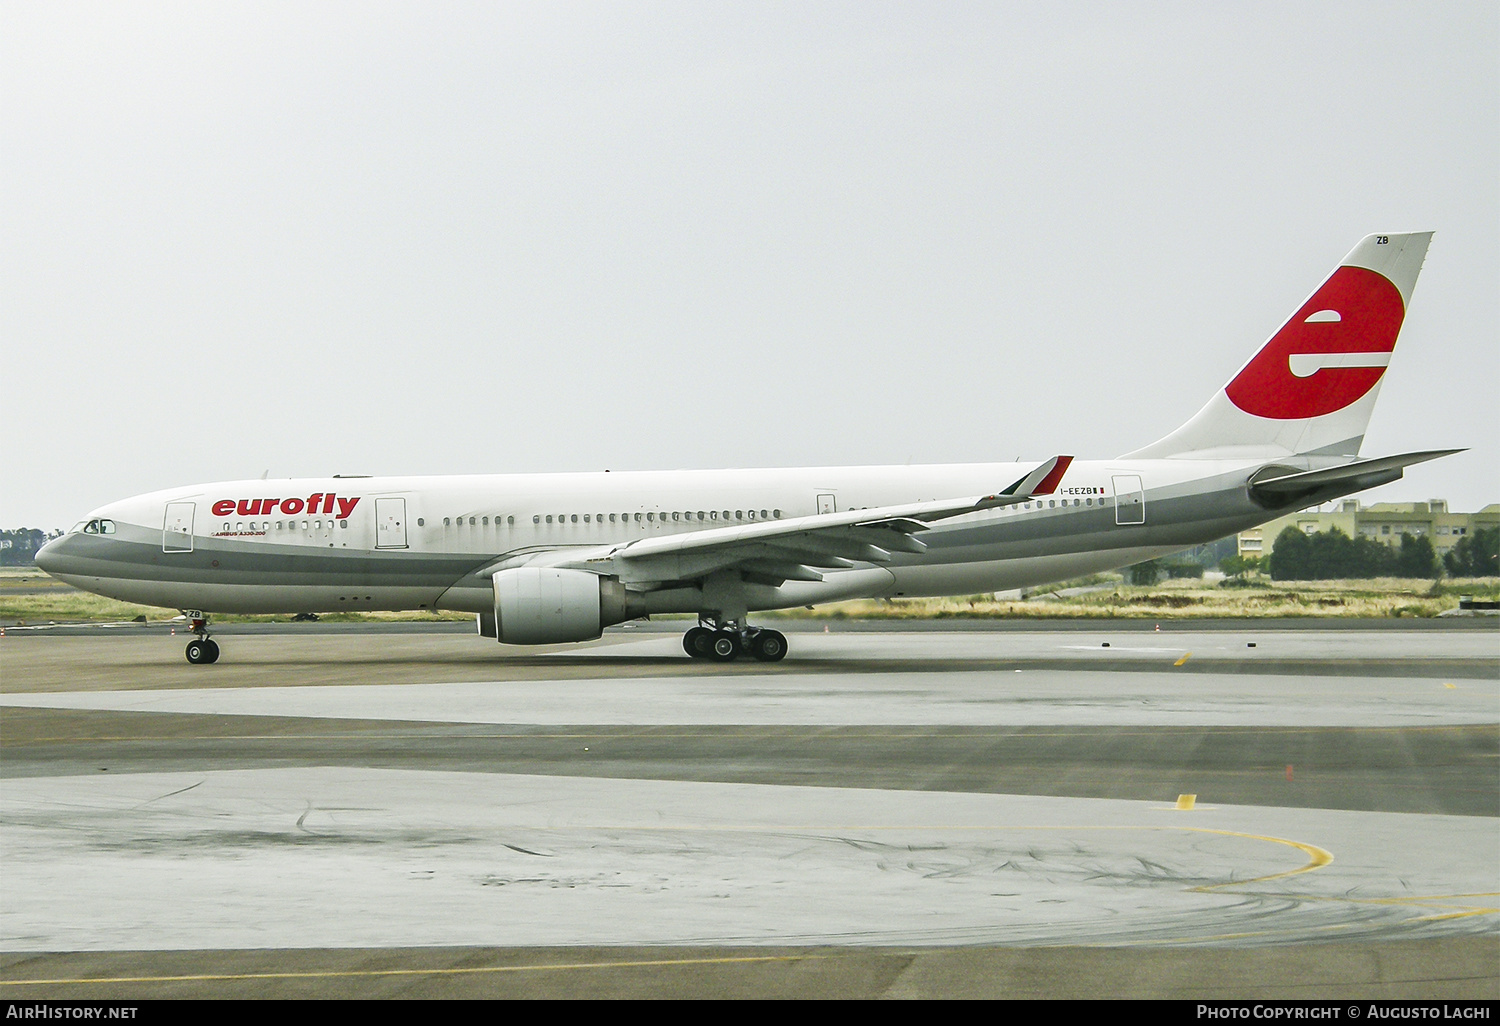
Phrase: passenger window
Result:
[700,514]
[775,513]
[510,521]
[537,519]
[549,518]
[304,525]
[763,514]
[343,525]
[575,518]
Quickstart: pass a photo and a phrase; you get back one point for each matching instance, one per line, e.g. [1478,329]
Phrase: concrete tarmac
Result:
[905,813]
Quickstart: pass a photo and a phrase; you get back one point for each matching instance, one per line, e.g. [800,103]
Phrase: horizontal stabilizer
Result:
[1356,475]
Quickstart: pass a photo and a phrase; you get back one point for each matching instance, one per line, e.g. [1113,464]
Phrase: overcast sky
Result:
[449,238]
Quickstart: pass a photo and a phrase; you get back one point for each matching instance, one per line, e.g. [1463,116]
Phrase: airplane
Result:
[552,558]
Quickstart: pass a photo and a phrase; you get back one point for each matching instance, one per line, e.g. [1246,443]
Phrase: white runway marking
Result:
[1032,697]
[323,857]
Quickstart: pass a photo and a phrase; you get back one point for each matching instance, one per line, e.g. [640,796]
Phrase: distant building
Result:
[1382,521]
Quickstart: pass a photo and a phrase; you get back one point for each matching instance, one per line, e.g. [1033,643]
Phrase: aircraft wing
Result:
[796,549]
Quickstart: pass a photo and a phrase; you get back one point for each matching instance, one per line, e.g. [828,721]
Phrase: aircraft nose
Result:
[46,555]
[53,557]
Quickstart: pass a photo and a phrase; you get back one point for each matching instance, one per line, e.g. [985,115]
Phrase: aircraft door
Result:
[390,523]
[1130,499]
[826,504]
[177,528]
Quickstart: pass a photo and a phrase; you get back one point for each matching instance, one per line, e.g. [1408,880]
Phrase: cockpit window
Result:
[92,527]
[106,527]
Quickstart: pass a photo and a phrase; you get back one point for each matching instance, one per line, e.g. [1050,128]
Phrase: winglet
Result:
[1041,481]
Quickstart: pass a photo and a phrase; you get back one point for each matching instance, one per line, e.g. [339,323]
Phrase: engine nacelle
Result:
[548,605]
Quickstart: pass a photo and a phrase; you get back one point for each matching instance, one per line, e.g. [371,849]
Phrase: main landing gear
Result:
[201,649]
[726,642]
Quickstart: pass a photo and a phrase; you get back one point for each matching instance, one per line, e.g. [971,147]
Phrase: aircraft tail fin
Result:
[1310,389]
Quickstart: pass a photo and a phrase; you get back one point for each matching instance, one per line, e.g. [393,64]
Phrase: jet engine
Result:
[548,605]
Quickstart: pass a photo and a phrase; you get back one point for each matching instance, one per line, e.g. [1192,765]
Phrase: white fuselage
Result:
[332,544]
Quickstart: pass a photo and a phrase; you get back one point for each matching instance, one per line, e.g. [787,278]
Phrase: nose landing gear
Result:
[726,642]
[201,649]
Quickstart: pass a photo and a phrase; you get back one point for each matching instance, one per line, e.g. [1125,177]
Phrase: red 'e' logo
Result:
[1329,354]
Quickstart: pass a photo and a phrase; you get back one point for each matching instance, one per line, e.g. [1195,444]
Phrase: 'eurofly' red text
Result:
[315,504]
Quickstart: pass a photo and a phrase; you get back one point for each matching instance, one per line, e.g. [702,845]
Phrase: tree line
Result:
[1475,555]
[1332,554]
[19,547]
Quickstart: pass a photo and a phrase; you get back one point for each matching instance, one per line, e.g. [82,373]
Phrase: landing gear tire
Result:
[697,642]
[202,651]
[724,647]
[768,646]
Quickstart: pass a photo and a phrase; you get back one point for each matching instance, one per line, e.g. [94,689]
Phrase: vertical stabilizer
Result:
[1311,388]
